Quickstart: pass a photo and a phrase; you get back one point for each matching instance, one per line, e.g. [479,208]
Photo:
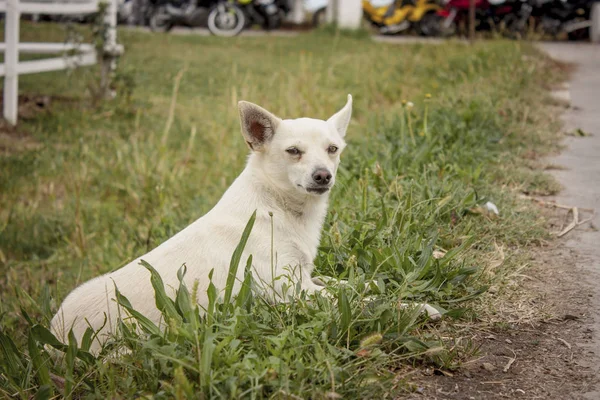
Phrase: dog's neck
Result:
[301,216]
[287,201]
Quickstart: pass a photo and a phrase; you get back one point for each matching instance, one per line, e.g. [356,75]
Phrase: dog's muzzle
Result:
[321,181]
[317,190]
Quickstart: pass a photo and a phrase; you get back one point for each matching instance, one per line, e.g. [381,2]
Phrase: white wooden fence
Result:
[84,54]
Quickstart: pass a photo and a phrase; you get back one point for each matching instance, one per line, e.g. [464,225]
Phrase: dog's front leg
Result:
[327,280]
[312,286]
[425,308]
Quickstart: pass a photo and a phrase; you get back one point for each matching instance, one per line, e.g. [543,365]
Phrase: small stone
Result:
[437,254]
[488,367]
[562,95]
[508,341]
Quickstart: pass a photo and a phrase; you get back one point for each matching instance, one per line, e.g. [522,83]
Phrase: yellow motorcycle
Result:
[402,15]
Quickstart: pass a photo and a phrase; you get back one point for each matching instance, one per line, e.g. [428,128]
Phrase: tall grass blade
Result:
[86,340]
[163,302]
[70,357]
[43,393]
[244,297]
[147,325]
[184,303]
[235,259]
[42,335]
[211,292]
[11,355]
[345,311]
[40,365]
[208,347]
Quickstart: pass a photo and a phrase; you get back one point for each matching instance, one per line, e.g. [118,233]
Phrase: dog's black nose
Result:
[322,176]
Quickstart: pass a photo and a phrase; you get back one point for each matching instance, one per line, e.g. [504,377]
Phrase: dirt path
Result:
[581,176]
[557,355]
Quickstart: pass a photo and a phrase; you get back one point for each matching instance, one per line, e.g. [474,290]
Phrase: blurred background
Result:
[536,19]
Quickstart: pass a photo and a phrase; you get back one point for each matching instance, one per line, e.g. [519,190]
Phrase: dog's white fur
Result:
[274,181]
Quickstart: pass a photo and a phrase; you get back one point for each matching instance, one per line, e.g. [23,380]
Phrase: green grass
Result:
[106,184]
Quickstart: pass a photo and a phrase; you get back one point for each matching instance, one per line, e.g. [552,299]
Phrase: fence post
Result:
[471,20]
[11,59]
[109,52]
[110,19]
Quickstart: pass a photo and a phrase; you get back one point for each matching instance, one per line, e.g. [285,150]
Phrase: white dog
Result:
[289,173]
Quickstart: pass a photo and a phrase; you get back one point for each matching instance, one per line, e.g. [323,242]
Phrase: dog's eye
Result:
[332,149]
[293,151]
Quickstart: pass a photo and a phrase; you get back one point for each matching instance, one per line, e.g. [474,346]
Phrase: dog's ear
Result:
[258,125]
[341,119]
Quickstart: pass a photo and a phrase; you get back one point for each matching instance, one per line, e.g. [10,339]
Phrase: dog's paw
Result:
[327,280]
[318,281]
[432,313]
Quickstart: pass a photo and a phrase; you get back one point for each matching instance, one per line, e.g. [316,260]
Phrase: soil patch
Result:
[15,139]
[551,358]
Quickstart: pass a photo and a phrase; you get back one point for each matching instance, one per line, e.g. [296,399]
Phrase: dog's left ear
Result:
[258,125]
[341,119]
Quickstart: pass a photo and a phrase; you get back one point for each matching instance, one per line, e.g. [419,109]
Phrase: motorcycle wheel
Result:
[160,20]
[226,20]
[431,25]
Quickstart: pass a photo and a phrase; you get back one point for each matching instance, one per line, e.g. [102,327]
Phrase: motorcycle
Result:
[555,17]
[512,15]
[229,18]
[404,14]
[165,14]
